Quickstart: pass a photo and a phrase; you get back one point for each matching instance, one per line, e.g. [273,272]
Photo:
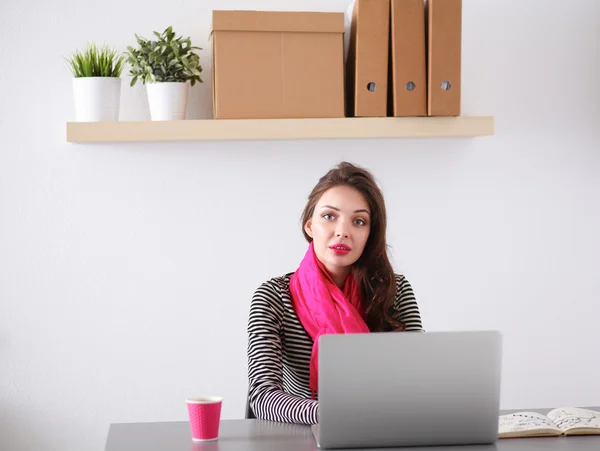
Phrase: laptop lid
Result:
[409,389]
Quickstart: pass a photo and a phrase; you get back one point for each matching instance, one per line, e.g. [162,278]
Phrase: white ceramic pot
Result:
[167,100]
[96,98]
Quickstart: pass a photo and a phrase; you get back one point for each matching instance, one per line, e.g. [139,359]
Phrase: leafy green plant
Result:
[163,60]
[96,61]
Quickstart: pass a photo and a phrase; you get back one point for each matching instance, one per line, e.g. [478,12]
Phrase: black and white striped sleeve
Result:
[406,307]
[268,399]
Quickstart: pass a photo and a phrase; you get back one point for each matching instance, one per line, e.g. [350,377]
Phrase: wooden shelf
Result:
[268,129]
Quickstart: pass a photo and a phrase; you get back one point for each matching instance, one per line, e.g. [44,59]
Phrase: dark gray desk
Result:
[259,435]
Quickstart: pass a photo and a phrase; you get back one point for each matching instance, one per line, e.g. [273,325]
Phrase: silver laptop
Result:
[408,389]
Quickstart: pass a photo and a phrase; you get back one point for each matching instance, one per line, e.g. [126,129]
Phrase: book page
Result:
[568,418]
[526,423]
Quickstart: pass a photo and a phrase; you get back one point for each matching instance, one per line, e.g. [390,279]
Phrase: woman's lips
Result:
[340,249]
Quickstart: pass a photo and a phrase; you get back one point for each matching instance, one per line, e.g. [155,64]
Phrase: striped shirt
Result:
[279,351]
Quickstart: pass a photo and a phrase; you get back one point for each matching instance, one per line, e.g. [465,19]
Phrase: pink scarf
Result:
[322,307]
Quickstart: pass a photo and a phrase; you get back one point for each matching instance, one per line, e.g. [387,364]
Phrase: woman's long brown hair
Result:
[373,269]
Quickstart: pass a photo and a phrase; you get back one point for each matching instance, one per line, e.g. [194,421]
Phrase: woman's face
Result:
[339,227]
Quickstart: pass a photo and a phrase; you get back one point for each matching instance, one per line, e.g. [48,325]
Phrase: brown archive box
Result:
[367,60]
[271,64]
[444,36]
[408,75]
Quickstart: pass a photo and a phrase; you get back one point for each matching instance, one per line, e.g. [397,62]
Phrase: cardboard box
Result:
[444,47]
[270,64]
[367,58]
[408,76]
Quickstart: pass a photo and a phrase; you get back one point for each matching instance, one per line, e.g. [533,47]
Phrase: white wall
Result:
[126,271]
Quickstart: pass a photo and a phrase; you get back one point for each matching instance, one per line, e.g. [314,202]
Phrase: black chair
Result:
[249,413]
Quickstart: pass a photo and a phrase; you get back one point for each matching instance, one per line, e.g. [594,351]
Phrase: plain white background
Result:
[126,271]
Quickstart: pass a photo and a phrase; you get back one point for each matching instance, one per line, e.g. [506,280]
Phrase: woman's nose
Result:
[341,231]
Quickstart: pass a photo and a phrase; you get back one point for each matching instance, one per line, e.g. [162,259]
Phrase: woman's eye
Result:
[328,216]
[360,222]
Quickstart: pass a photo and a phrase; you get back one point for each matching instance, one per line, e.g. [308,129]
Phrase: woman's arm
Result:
[406,307]
[267,398]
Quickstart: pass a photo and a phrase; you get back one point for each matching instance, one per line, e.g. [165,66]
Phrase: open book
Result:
[563,421]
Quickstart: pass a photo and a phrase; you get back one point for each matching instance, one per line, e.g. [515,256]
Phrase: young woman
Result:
[344,284]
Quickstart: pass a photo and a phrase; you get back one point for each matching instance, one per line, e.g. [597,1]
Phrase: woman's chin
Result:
[340,262]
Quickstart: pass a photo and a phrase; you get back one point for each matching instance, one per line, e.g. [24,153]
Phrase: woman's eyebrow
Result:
[362,210]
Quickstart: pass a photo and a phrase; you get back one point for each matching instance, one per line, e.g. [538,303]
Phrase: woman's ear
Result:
[308,228]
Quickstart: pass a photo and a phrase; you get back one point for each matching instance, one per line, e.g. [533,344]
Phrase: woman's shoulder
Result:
[274,289]
[269,299]
[400,279]
[406,305]
[278,283]
[404,290]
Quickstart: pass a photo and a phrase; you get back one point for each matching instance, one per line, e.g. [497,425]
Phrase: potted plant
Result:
[166,66]
[96,83]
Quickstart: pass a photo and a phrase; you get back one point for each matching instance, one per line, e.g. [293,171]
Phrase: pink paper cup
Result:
[205,417]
